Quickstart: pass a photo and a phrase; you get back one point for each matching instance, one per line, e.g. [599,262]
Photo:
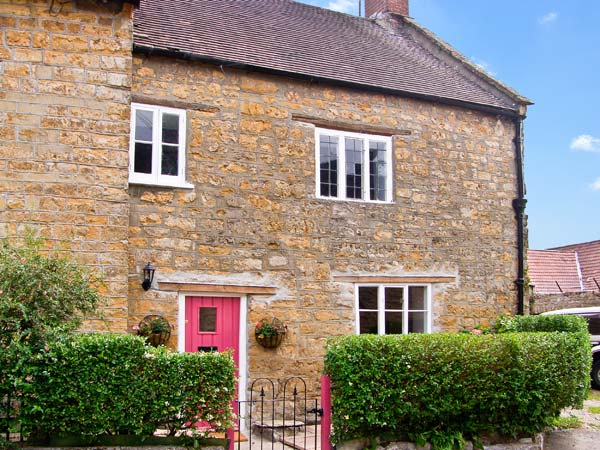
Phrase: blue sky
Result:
[549,51]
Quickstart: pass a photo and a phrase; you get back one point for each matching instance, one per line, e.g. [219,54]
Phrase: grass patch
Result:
[567,422]
[594,395]
[594,409]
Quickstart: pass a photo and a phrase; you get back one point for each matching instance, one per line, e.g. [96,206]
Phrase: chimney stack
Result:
[394,6]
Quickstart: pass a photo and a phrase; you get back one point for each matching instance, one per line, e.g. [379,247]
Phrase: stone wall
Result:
[542,303]
[65,79]
[252,217]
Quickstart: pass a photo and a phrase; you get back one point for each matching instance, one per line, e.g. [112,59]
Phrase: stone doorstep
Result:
[273,430]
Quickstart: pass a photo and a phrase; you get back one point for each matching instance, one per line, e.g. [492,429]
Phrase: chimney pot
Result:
[378,6]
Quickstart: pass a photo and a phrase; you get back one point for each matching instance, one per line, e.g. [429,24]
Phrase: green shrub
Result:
[566,323]
[191,387]
[98,384]
[443,387]
[41,294]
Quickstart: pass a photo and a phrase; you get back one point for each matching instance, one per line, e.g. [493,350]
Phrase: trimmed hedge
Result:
[445,387]
[108,384]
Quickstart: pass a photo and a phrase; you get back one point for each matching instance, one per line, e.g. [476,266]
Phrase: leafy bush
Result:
[190,388]
[567,323]
[42,296]
[98,384]
[443,387]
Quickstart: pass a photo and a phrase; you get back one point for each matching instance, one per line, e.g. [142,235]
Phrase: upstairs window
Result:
[353,166]
[393,309]
[157,146]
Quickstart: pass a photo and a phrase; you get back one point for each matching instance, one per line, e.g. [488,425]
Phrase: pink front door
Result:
[212,324]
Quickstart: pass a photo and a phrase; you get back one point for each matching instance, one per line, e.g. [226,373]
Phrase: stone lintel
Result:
[149,100]
[392,279]
[216,288]
[348,126]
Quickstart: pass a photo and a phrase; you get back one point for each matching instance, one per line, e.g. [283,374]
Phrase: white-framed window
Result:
[353,166]
[393,309]
[157,146]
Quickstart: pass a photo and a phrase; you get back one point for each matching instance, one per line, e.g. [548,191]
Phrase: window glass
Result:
[393,322]
[143,158]
[157,146]
[368,322]
[367,297]
[328,159]
[384,310]
[170,129]
[170,156]
[143,125]
[594,325]
[377,171]
[416,322]
[207,320]
[394,298]
[354,164]
[416,298]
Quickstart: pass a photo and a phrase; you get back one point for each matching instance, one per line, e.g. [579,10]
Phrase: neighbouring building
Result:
[564,277]
[272,160]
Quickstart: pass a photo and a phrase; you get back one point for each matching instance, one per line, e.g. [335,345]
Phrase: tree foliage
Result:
[41,294]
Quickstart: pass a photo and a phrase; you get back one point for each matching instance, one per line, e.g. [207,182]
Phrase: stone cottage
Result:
[272,160]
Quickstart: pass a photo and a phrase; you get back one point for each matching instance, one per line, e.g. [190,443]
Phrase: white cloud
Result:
[586,143]
[596,185]
[483,65]
[345,6]
[548,18]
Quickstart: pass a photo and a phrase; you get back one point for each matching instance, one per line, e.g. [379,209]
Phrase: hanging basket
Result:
[269,341]
[156,339]
[269,333]
[156,329]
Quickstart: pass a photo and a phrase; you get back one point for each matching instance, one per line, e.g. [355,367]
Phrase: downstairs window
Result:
[393,309]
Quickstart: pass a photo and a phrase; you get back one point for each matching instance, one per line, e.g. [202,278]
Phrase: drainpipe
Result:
[519,207]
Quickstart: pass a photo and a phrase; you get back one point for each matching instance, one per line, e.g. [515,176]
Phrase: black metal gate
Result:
[278,415]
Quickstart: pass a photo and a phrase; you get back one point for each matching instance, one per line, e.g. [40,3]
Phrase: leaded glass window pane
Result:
[377,170]
[354,165]
[328,161]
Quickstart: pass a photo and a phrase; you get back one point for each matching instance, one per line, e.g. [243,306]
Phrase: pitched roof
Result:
[589,259]
[393,55]
[549,269]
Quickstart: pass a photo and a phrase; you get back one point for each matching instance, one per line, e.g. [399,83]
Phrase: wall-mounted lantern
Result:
[148,270]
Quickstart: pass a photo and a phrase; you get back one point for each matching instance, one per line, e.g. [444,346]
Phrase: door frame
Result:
[243,333]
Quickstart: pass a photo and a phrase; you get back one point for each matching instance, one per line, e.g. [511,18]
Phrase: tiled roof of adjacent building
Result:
[553,272]
[282,36]
[588,254]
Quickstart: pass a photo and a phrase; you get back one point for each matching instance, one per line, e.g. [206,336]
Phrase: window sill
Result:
[182,185]
[354,200]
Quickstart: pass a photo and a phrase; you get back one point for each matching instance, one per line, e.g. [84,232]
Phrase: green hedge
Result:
[446,387]
[99,384]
